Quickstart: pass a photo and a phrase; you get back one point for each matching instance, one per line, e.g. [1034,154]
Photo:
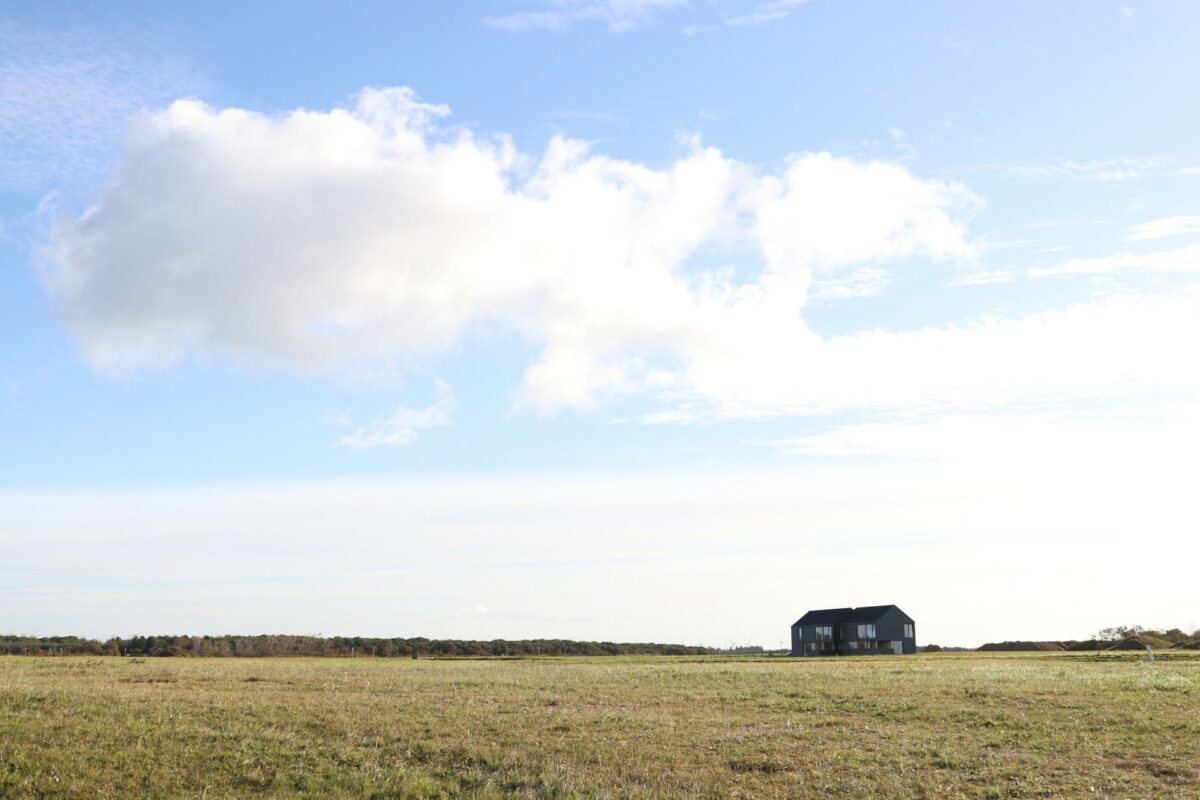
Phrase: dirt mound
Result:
[1090,644]
[997,647]
[1186,646]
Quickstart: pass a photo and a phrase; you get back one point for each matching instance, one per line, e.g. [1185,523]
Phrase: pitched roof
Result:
[824,616]
[836,616]
[872,613]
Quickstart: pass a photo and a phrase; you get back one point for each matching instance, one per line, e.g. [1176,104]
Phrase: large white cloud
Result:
[321,239]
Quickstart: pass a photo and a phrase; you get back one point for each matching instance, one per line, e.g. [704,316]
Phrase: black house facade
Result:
[866,631]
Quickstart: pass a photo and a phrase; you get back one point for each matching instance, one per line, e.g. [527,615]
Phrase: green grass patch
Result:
[997,725]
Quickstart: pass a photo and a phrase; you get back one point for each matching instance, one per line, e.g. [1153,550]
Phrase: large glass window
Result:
[908,630]
[866,631]
[824,633]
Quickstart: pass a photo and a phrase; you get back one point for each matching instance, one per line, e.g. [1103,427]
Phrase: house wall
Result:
[889,627]
[806,634]
[797,643]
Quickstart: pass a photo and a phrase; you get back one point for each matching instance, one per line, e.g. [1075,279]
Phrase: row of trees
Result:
[339,646]
[1118,632]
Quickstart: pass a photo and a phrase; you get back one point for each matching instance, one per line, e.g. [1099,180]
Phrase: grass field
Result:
[945,725]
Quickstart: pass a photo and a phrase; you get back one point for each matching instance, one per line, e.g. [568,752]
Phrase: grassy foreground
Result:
[973,725]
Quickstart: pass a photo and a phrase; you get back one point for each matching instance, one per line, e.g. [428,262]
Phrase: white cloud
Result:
[1182,259]
[1110,170]
[1118,348]
[959,44]
[862,282]
[1161,434]
[558,15]
[370,234]
[1059,223]
[1163,228]
[402,425]
[863,212]
[765,13]
[983,277]
[477,610]
[330,239]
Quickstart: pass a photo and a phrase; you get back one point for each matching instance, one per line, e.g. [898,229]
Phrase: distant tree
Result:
[1118,632]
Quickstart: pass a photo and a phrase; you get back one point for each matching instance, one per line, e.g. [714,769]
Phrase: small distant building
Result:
[866,631]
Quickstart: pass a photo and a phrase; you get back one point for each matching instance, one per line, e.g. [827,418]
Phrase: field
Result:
[945,725]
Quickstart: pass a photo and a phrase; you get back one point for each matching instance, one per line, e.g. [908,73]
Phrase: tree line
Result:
[1119,632]
[334,646]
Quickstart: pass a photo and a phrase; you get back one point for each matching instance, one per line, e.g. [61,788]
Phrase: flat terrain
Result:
[946,725]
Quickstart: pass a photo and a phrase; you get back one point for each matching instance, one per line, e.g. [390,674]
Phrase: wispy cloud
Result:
[612,118]
[1062,223]
[959,44]
[65,98]
[402,426]
[1002,438]
[1111,170]
[559,15]
[1183,259]
[477,610]
[1163,228]
[765,13]
[983,277]
[861,282]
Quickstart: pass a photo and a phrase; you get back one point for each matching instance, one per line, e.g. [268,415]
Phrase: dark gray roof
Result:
[823,616]
[836,616]
[872,613]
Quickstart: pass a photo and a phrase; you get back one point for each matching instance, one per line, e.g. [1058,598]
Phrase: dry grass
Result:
[986,726]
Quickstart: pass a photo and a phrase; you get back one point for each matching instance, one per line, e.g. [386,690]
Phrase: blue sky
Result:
[564,318]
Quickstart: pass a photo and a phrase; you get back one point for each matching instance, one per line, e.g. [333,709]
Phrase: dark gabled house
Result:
[866,631]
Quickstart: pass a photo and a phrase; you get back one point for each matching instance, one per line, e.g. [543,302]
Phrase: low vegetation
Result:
[926,726]
[266,646]
[1120,637]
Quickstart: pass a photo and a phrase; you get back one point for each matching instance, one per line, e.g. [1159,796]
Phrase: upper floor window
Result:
[866,631]
[908,630]
[824,633]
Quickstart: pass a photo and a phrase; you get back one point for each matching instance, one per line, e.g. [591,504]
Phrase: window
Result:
[824,633]
[908,630]
[866,631]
